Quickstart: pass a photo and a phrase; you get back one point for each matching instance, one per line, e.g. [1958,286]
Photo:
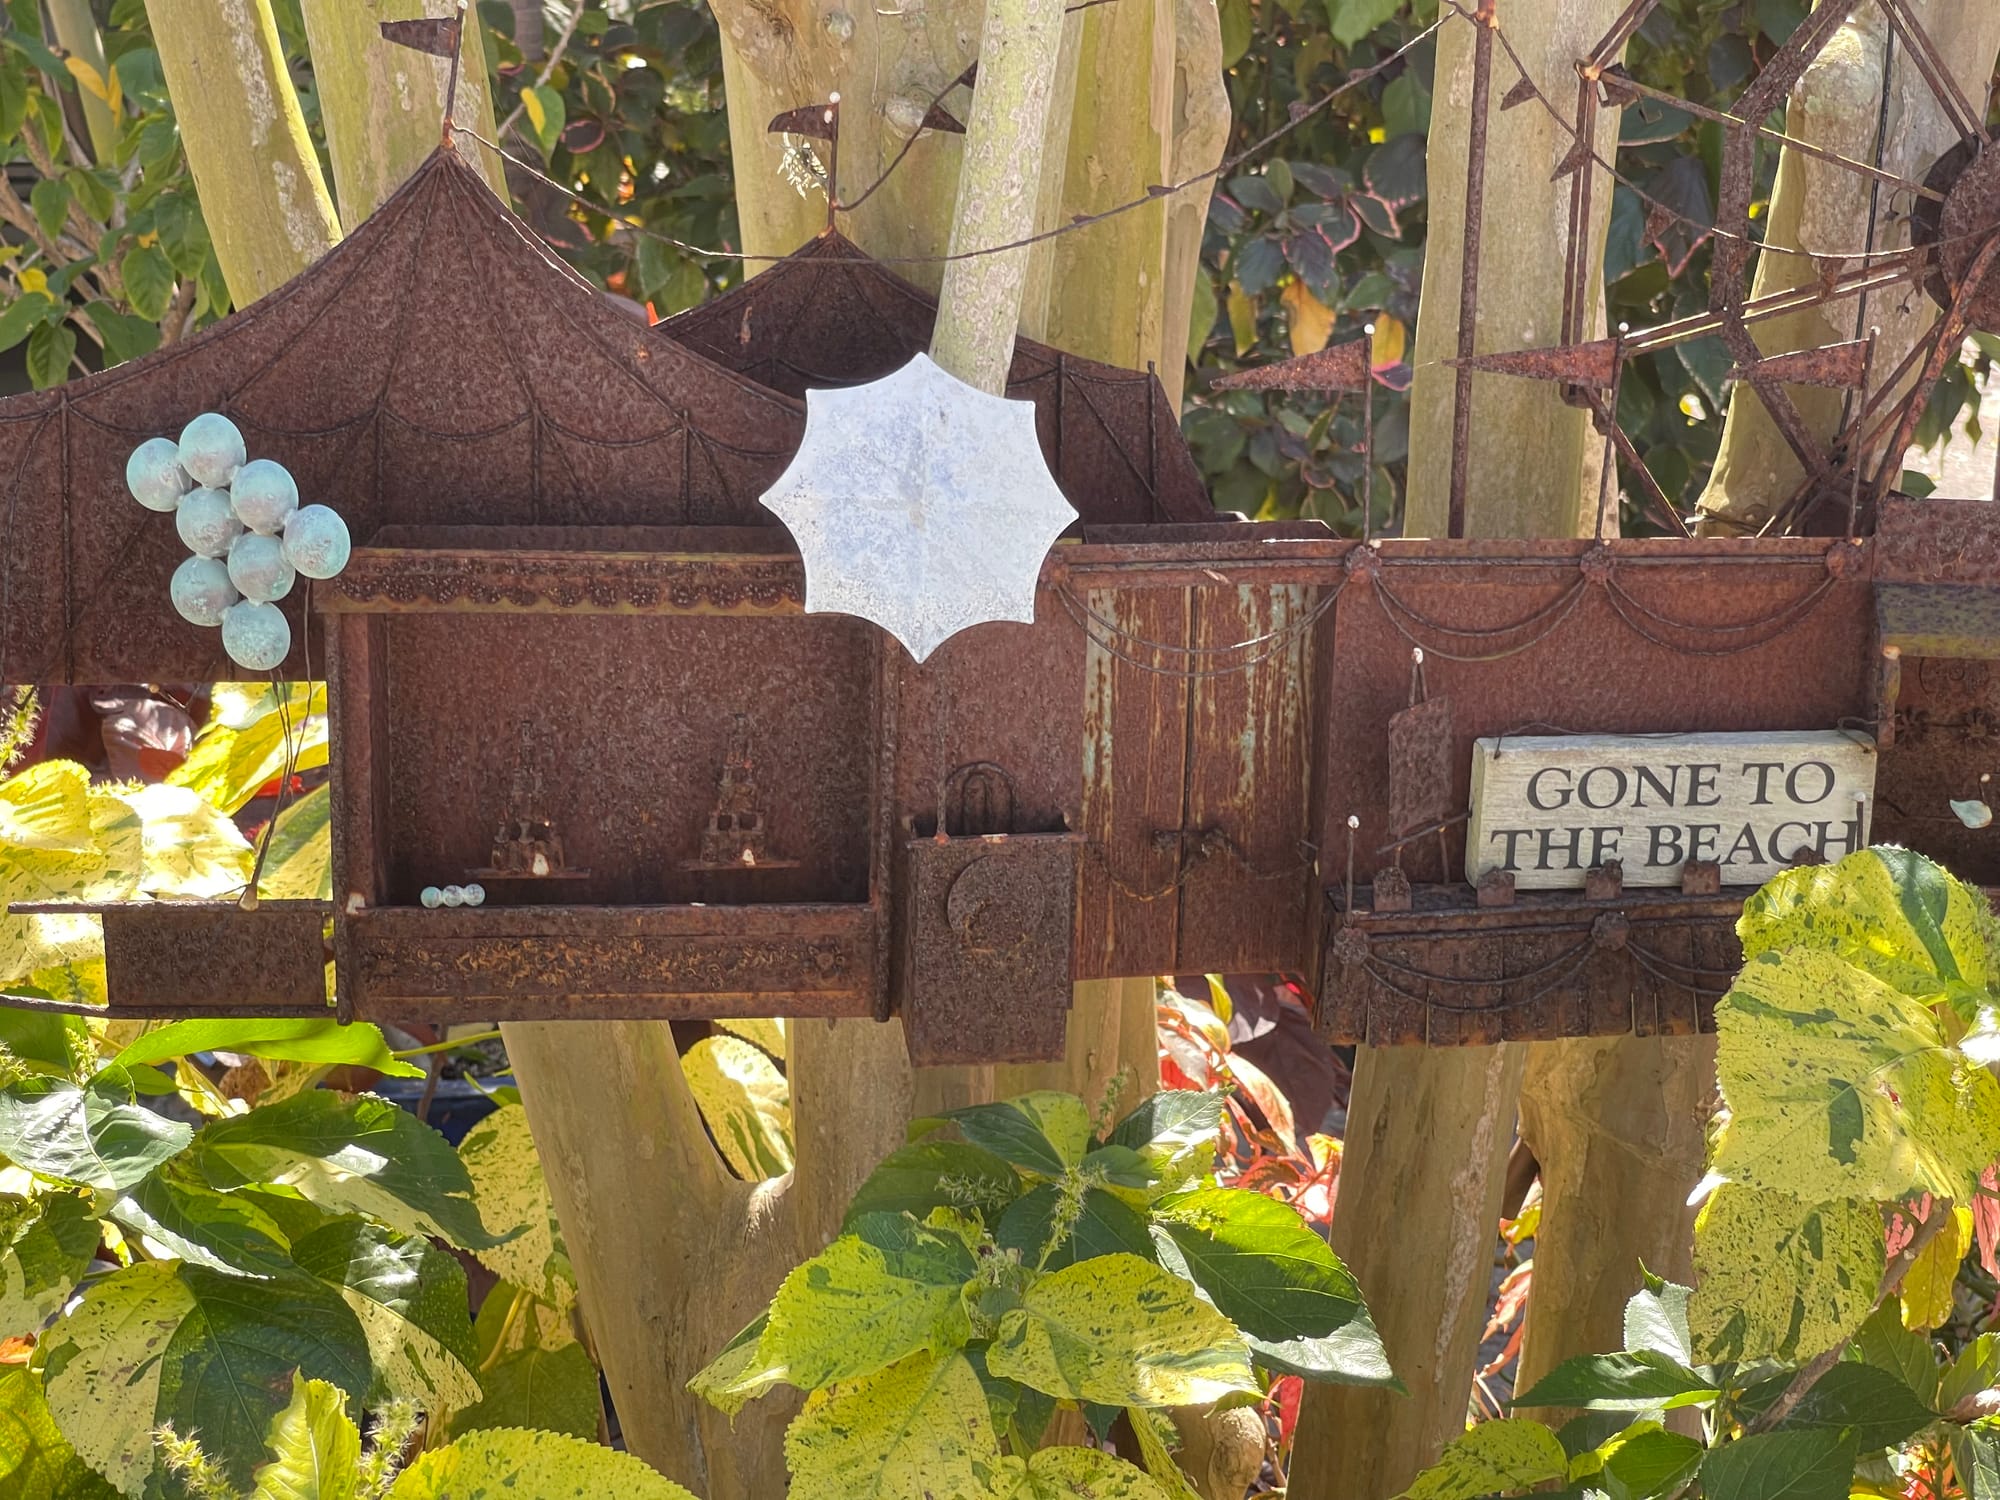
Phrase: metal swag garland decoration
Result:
[250,538]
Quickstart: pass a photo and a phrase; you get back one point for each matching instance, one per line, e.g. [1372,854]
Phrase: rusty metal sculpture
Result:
[1206,753]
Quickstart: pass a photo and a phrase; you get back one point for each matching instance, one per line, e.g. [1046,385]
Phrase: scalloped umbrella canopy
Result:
[920,503]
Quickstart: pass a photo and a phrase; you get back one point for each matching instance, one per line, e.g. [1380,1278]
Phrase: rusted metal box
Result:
[209,958]
[985,937]
[1450,973]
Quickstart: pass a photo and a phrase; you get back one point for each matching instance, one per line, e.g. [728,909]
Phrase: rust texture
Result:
[176,959]
[829,316]
[983,963]
[1592,364]
[1421,766]
[1834,365]
[1452,972]
[1341,367]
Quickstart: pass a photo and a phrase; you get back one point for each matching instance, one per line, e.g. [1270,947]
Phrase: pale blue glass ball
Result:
[154,474]
[211,449]
[264,495]
[430,896]
[258,568]
[206,523]
[452,895]
[316,541]
[202,591]
[256,636]
[475,895]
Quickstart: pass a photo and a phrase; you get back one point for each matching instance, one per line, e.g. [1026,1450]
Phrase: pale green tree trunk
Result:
[1818,206]
[266,204]
[1428,1131]
[77,34]
[382,103]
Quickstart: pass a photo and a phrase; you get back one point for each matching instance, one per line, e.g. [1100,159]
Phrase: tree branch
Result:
[555,56]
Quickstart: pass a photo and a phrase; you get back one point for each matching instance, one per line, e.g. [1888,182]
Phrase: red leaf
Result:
[1286,1393]
[1986,1219]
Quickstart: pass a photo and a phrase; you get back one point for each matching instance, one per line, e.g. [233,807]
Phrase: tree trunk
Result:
[1617,1125]
[1839,105]
[254,165]
[1428,1132]
[77,34]
[382,104]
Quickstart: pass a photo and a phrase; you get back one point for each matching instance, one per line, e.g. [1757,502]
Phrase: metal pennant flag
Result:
[436,35]
[1837,366]
[1592,364]
[1343,367]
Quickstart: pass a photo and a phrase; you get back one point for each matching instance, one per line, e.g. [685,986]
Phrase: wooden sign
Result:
[1551,808]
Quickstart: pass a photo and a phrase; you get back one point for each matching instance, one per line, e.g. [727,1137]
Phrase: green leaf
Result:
[1274,1278]
[919,1428]
[933,1173]
[36,1460]
[1646,1460]
[1153,1432]
[1877,1408]
[410,1298]
[1491,1458]
[1894,914]
[884,1291]
[187,1218]
[1840,1086]
[1645,1381]
[740,1373]
[61,840]
[1886,1344]
[348,1155]
[23,316]
[94,1134]
[243,745]
[1814,1464]
[1173,1118]
[513,1197]
[555,1389]
[50,349]
[50,201]
[191,850]
[166,1342]
[299,863]
[1656,1320]
[1043,1132]
[1120,1331]
[546,116]
[46,1244]
[125,336]
[1239,29]
[1975,1453]
[1104,1226]
[1201,317]
[1976,1369]
[1071,1474]
[1354,19]
[148,279]
[746,1104]
[288,1040]
[1775,1277]
[315,1447]
[530,1466]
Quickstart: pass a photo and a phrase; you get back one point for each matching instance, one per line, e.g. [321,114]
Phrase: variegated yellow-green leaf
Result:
[1491,1459]
[886,1289]
[315,1447]
[60,840]
[104,1365]
[410,1299]
[1151,1429]
[1044,1131]
[1901,917]
[1119,1331]
[1841,1086]
[299,865]
[512,1464]
[918,1430]
[513,1195]
[1071,1474]
[746,1103]
[740,1373]
[46,1244]
[244,743]
[36,1461]
[1927,1285]
[764,1031]
[1778,1277]
[191,850]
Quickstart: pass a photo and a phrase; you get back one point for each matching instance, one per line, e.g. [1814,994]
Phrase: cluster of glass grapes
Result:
[249,535]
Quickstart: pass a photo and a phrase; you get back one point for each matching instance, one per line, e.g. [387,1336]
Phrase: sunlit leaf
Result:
[518,1465]
[1778,1277]
[36,1460]
[1490,1459]
[513,1198]
[315,1447]
[745,1102]
[914,1431]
